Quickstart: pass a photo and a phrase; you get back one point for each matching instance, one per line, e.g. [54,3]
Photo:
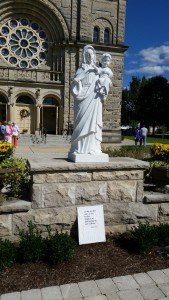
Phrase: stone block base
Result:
[83,158]
[59,187]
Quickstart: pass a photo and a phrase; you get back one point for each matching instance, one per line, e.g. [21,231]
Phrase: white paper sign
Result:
[91,226]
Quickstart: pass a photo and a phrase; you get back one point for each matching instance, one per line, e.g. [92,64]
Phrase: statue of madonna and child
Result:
[90,88]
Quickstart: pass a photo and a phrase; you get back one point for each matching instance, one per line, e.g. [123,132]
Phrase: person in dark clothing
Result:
[137,136]
[2,130]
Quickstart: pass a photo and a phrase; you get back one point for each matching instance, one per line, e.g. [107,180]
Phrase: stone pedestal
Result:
[59,187]
[85,158]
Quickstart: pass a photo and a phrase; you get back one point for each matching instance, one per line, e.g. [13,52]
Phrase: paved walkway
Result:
[152,285]
[59,150]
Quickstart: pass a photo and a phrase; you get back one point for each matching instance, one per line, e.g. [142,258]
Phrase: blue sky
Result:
[147,35]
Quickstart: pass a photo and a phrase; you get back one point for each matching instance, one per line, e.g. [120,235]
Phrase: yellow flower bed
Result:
[6,149]
[160,151]
[5,146]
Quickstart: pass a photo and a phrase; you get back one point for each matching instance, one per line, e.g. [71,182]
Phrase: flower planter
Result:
[6,171]
[2,175]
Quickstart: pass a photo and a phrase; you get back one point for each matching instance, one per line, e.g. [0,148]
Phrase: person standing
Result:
[15,135]
[8,132]
[137,136]
[1,134]
[2,130]
[144,132]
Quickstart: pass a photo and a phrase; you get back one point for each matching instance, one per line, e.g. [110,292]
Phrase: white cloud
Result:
[156,70]
[153,61]
[158,55]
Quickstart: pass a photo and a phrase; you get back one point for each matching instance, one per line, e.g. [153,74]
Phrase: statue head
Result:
[105,59]
[89,56]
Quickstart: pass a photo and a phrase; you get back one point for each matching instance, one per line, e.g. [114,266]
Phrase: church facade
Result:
[41,44]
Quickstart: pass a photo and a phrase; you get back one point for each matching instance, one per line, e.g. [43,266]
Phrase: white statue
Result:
[105,73]
[90,87]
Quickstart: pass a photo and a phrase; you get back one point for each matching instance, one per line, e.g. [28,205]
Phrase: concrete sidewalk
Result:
[59,150]
[152,285]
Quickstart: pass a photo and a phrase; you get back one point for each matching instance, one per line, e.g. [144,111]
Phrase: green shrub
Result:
[60,247]
[163,234]
[17,180]
[145,236]
[32,246]
[2,198]
[55,248]
[129,151]
[8,254]
[154,163]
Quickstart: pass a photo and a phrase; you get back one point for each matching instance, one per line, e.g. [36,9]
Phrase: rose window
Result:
[23,43]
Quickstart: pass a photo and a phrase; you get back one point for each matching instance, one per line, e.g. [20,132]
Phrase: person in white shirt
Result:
[15,134]
[144,132]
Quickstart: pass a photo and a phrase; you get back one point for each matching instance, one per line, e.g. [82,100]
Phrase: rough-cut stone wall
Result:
[59,187]
[121,21]
[112,106]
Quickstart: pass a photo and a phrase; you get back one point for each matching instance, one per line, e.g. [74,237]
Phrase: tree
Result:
[125,110]
[129,101]
[153,101]
[146,101]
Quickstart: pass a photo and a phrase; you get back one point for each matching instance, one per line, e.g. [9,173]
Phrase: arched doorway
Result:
[3,108]
[25,113]
[49,115]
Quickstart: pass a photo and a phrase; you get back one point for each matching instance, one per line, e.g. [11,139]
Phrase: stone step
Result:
[149,187]
[155,197]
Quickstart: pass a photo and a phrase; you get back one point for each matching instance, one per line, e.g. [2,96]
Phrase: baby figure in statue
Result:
[105,73]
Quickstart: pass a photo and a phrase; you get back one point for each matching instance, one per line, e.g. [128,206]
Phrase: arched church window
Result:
[106,36]
[24,100]
[2,100]
[96,35]
[23,43]
[50,101]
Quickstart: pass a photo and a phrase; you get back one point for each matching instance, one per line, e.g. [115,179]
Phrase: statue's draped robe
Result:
[87,134]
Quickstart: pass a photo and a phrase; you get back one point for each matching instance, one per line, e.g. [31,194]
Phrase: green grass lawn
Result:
[150,139]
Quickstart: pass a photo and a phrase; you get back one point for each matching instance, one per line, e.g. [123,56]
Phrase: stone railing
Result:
[32,75]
